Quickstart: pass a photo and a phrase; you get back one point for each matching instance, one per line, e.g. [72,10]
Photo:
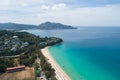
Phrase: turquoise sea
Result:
[88,53]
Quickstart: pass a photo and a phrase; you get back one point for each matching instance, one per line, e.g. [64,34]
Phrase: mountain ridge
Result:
[44,26]
[53,25]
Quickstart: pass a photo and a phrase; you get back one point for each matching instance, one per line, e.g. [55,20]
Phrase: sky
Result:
[72,12]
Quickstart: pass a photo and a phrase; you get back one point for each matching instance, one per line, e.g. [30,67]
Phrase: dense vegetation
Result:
[29,58]
[4,63]
[31,52]
[34,41]
[46,67]
[23,37]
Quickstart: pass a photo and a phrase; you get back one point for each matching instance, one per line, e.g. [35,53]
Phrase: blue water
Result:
[88,53]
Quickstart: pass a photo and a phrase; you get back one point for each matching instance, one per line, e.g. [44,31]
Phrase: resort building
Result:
[15,69]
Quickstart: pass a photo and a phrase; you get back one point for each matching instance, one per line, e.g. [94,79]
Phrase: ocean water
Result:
[88,53]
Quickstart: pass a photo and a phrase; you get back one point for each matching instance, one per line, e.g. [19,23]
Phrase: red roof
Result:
[12,68]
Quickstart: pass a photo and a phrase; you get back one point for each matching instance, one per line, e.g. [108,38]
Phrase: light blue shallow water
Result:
[87,53]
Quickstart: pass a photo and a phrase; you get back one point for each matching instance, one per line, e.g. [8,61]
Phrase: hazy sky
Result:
[73,12]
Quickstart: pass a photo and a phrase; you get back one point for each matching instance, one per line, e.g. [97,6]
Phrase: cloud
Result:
[61,6]
[37,11]
[45,8]
[24,4]
[89,16]
[88,3]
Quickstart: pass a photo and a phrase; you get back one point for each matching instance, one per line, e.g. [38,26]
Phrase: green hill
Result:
[45,26]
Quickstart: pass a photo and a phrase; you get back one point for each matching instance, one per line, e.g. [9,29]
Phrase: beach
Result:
[60,74]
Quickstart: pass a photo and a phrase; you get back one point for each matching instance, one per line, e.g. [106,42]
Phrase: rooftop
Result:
[11,68]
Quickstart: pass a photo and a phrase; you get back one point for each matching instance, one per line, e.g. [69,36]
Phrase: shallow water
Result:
[87,53]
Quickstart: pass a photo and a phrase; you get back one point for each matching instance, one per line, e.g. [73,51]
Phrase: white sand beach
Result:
[60,74]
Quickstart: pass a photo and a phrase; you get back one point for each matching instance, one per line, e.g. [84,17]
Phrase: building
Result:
[25,44]
[15,37]
[15,69]
[13,49]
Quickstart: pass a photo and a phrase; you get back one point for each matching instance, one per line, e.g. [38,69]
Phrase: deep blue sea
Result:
[88,53]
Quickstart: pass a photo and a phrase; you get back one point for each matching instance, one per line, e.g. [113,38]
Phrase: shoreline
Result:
[60,74]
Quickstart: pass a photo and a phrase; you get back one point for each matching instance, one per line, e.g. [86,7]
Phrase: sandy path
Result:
[60,74]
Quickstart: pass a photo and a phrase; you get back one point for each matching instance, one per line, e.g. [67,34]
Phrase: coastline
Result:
[60,74]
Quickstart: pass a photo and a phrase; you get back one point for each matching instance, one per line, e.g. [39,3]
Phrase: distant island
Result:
[42,26]
[52,25]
